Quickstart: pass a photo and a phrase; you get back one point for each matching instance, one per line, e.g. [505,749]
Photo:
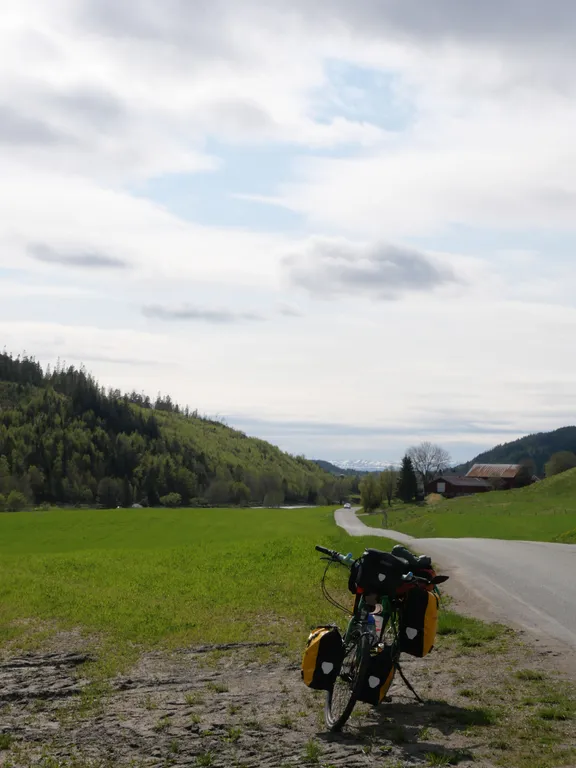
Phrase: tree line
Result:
[66,440]
[419,466]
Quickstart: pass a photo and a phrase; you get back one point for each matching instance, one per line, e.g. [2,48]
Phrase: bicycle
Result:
[361,641]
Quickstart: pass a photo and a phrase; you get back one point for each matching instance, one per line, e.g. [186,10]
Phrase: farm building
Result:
[451,486]
[503,476]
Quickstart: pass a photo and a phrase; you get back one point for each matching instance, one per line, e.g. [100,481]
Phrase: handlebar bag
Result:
[418,622]
[422,561]
[377,572]
[378,678]
[322,659]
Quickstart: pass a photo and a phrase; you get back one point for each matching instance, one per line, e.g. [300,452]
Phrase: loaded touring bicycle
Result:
[395,611]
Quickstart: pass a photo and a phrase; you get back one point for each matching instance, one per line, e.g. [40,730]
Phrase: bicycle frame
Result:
[361,611]
[360,615]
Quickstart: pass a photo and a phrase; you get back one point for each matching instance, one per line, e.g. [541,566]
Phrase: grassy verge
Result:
[513,712]
[144,578]
[545,511]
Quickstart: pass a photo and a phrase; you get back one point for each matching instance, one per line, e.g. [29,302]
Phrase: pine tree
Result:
[407,482]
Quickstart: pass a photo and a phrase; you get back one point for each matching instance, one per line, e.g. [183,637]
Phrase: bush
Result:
[560,462]
[273,499]
[2,503]
[15,501]
[240,493]
[109,492]
[171,500]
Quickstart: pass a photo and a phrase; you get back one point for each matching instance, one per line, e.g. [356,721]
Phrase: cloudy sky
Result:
[344,226]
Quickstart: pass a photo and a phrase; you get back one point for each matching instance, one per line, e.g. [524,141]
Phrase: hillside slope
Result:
[538,447]
[64,439]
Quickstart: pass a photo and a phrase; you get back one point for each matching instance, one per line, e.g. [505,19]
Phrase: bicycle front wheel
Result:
[341,699]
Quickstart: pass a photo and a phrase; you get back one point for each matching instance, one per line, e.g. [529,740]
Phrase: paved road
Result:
[526,584]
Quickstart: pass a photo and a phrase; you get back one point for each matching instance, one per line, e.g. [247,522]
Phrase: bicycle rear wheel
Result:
[341,699]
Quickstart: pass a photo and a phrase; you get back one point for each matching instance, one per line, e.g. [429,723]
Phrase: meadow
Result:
[157,579]
[160,577]
[545,511]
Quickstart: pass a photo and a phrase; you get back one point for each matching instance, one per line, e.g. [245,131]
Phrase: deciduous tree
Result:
[109,492]
[560,462]
[428,460]
[389,484]
[274,498]
[15,501]
[371,492]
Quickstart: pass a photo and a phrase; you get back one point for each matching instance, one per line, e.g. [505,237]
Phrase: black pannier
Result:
[377,572]
[322,658]
[378,678]
[418,622]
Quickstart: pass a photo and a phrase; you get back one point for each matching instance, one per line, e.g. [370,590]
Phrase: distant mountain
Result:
[364,465]
[538,447]
[333,469]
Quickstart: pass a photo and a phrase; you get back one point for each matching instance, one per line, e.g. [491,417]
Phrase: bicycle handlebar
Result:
[410,577]
[346,560]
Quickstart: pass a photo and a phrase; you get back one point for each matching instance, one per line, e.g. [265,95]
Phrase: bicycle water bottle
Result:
[378,619]
[372,627]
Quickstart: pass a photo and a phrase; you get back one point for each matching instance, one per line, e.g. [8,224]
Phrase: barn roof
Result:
[505,471]
[466,482]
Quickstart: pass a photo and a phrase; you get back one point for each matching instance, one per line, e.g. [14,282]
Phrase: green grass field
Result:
[545,511]
[169,577]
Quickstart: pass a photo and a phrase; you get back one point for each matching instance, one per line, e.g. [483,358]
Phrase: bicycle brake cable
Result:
[329,597]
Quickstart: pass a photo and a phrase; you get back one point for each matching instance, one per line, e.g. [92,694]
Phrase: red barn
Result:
[455,485]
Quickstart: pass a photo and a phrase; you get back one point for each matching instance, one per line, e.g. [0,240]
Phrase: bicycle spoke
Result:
[341,699]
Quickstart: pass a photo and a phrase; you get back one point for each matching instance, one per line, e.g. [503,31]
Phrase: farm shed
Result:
[455,485]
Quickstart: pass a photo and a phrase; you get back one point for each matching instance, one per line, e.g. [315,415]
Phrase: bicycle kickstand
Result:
[407,683]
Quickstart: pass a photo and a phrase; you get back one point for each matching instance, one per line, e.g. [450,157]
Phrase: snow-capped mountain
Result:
[364,465]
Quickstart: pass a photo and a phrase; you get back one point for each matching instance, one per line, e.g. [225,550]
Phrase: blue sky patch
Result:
[476,241]
[213,198]
[364,95]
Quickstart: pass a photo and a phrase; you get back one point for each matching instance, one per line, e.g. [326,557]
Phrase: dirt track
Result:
[230,707]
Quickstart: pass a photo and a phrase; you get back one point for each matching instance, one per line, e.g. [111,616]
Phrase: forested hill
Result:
[538,447]
[64,439]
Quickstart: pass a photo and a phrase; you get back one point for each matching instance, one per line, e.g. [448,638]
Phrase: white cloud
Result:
[77,216]
[97,96]
[493,166]
[329,267]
